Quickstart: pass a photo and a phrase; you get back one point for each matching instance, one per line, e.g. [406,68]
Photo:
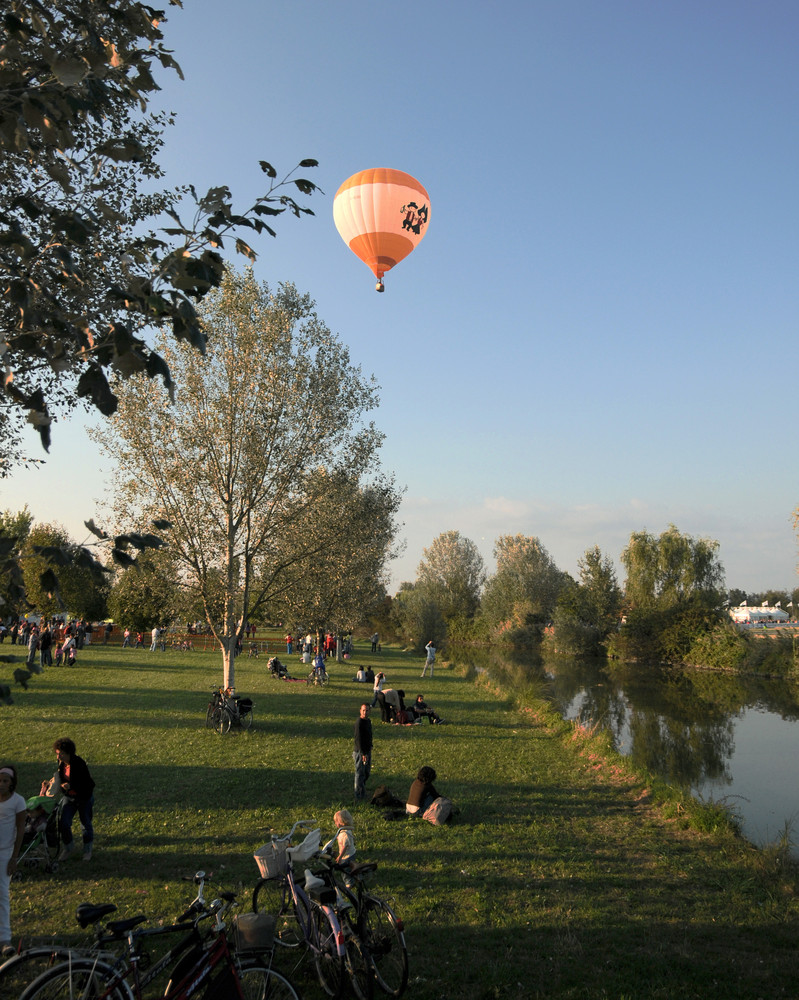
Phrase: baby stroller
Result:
[42,840]
[276,668]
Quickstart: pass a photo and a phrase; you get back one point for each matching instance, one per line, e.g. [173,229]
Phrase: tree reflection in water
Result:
[678,724]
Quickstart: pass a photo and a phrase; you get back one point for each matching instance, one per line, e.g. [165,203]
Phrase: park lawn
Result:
[562,876]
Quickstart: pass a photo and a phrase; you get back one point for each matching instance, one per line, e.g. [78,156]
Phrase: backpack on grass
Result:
[438,812]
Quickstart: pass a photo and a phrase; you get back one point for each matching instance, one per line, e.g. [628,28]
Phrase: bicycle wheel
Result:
[261,982]
[330,965]
[222,720]
[209,715]
[360,969]
[81,977]
[20,970]
[384,939]
[246,720]
[271,895]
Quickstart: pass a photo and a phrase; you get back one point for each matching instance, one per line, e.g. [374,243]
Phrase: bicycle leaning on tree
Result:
[226,709]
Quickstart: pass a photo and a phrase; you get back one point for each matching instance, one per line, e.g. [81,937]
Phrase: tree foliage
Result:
[588,609]
[148,593]
[340,587]
[14,530]
[521,596]
[418,618]
[670,569]
[263,427]
[452,574]
[601,595]
[90,257]
[77,588]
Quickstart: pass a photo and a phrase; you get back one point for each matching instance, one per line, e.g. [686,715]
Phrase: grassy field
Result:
[564,874]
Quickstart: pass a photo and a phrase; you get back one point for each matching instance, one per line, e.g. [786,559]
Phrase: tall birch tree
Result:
[245,454]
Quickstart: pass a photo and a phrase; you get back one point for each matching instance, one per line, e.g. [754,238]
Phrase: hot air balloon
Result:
[381,215]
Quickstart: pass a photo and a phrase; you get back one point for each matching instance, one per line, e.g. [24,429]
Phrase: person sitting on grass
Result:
[422,793]
[420,710]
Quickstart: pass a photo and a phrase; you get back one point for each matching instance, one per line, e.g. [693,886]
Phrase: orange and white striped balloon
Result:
[381,215]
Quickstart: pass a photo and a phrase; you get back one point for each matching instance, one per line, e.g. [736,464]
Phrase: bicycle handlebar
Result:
[290,834]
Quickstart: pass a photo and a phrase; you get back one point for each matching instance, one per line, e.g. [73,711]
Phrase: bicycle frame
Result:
[303,905]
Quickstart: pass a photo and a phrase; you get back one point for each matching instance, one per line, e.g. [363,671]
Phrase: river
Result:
[722,738]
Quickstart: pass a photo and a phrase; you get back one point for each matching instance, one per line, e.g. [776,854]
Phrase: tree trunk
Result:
[229,661]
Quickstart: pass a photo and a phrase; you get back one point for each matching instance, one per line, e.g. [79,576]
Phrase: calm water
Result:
[722,738]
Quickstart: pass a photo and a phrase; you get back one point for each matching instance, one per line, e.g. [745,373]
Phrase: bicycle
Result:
[226,709]
[374,922]
[306,915]
[206,960]
[21,969]
[318,676]
[107,943]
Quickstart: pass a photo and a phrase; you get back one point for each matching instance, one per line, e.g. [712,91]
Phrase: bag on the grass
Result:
[383,797]
[438,812]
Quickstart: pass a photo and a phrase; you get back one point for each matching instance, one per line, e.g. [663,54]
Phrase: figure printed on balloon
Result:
[415,217]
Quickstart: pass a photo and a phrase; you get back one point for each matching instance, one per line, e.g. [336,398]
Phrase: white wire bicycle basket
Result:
[272,860]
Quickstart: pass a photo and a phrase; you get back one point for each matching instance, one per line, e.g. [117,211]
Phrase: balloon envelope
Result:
[381,215]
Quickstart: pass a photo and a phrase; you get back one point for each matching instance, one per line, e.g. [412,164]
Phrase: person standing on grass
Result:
[12,830]
[77,786]
[431,658]
[45,647]
[362,753]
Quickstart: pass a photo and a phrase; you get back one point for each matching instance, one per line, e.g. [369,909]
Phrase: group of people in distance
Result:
[393,707]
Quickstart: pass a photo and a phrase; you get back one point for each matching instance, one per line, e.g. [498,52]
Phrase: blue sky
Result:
[597,334]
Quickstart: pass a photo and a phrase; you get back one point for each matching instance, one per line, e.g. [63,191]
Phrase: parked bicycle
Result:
[318,675]
[226,709]
[206,959]
[373,921]
[306,914]
[21,969]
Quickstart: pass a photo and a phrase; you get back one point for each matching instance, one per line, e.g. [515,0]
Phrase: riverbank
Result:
[565,874]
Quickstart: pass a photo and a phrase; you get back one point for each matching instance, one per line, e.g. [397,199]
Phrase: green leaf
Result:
[69,70]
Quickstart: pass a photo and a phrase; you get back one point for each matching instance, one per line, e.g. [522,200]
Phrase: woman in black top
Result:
[77,786]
